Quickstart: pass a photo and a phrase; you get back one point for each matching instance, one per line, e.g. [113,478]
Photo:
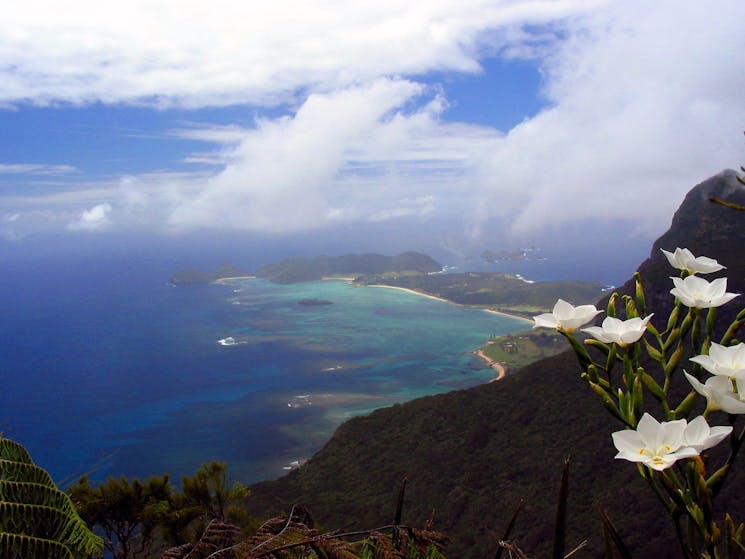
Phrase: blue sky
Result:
[476,124]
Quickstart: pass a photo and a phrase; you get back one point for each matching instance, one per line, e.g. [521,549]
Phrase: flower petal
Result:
[628,441]
[648,429]
[546,320]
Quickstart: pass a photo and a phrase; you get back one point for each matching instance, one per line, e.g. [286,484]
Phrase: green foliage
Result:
[295,270]
[518,350]
[36,518]
[474,454]
[127,512]
[136,518]
[207,497]
[500,291]
[620,378]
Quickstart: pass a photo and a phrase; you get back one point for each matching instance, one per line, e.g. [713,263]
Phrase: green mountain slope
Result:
[471,455]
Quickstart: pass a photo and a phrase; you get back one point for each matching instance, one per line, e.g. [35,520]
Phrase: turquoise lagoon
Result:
[139,378]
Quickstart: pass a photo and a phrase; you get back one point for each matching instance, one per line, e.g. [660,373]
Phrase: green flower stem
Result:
[640,299]
[631,310]
[686,324]
[611,308]
[733,328]
[684,504]
[672,338]
[711,317]
[685,407]
[584,358]
[648,476]
[654,353]
[611,361]
[628,369]
[609,404]
[696,330]
[672,320]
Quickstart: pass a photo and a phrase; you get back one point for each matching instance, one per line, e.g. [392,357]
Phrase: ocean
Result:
[108,370]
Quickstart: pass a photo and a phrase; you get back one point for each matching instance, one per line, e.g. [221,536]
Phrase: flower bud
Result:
[640,301]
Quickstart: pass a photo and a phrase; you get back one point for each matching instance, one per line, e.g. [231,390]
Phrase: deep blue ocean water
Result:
[107,368]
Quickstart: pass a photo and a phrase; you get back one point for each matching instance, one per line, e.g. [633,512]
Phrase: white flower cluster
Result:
[726,363]
[658,445]
[567,318]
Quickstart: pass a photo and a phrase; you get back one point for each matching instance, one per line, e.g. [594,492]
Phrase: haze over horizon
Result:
[401,125]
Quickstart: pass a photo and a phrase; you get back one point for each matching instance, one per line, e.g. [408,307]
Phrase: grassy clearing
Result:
[523,348]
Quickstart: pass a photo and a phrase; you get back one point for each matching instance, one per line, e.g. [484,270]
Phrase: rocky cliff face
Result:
[471,455]
[705,228]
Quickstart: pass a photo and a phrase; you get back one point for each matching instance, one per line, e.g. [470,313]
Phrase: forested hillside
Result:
[472,455]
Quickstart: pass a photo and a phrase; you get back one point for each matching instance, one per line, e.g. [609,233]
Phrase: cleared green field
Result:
[523,348]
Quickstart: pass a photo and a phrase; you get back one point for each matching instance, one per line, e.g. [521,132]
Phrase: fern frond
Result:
[36,518]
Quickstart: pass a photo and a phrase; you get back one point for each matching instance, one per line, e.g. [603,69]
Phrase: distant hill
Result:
[194,276]
[471,455]
[295,270]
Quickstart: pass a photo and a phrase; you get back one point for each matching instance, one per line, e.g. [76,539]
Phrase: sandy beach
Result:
[341,278]
[502,313]
[496,365]
[225,280]
[422,294]
[414,291]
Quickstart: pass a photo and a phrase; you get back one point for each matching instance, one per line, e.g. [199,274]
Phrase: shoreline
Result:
[436,298]
[496,365]
[221,281]
[351,279]
[414,292]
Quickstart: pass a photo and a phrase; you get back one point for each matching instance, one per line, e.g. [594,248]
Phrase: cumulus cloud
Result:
[643,101]
[646,101]
[93,219]
[195,54]
[355,154]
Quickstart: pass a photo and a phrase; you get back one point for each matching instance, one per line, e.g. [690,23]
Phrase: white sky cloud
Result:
[35,169]
[353,155]
[93,219]
[645,100]
[194,53]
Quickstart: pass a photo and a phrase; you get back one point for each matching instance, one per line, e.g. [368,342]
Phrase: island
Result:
[295,270]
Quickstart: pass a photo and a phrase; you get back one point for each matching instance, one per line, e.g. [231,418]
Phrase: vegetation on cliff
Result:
[473,455]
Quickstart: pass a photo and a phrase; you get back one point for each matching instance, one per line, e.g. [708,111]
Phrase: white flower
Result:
[657,445]
[694,291]
[699,436]
[718,393]
[727,361]
[566,317]
[621,332]
[683,259]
